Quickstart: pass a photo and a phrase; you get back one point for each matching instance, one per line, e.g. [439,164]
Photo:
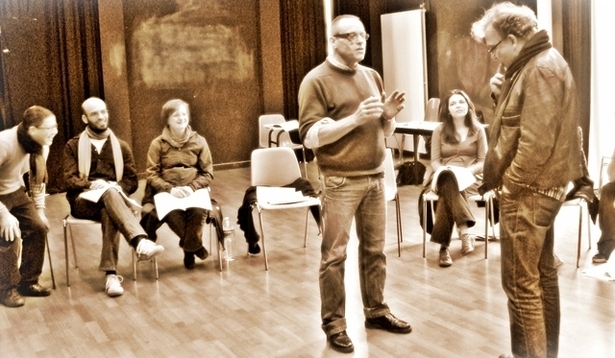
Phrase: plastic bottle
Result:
[229,238]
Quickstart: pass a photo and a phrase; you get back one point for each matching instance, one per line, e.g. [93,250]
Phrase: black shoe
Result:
[189,260]
[341,342]
[33,290]
[388,323]
[201,253]
[592,207]
[12,298]
[254,249]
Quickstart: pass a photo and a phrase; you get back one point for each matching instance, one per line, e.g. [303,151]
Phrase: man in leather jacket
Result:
[533,154]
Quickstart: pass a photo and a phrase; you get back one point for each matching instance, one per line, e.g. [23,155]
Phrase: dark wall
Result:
[454,59]
[205,53]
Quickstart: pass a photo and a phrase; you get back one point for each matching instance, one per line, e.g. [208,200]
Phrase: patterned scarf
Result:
[84,153]
[38,169]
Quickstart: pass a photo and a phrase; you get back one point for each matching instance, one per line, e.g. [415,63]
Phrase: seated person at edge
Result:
[606,216]
[178,162]
[23,149]
[459,141]
[97,159]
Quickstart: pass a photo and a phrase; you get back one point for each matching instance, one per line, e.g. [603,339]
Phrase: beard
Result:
[98,129]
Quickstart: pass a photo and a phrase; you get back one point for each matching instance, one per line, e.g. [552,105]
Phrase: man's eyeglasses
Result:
[492,48]
[48,129]
[352,36]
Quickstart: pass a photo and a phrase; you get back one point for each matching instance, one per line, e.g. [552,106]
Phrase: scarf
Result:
[177,142]
[84,154]
[537,44]
[38,168]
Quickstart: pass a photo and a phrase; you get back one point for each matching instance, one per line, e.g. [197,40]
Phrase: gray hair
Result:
[506,19]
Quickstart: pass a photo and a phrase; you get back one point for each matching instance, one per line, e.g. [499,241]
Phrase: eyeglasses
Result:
[492,48]
[48,129]
[352,36]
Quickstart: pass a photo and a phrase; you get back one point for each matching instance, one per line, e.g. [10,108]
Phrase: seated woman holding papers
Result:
[179,171]
[458,151]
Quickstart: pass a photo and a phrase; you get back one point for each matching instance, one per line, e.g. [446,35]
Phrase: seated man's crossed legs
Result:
[116,218]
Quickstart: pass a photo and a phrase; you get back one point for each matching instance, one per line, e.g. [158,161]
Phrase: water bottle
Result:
[229,237]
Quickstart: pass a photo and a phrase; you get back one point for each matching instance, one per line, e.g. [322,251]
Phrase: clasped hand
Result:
[181,191]
[372,108]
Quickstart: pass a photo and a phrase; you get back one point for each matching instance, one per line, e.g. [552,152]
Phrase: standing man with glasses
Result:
[344,117]
[24,149]
[533,154]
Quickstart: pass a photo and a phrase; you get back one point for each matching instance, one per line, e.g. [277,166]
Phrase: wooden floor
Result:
[245,311]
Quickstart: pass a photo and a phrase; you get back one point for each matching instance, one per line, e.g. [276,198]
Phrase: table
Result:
[416,129]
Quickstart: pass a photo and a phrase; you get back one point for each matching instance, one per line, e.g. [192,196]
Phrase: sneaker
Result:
[599,258]
[113,287]
[467,244]
[147,249]
[445,258]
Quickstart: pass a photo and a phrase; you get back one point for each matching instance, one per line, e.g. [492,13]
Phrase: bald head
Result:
[95,114]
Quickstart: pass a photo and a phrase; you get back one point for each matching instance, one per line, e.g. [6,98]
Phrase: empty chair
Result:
[272,169]
[392,194]
[274,131]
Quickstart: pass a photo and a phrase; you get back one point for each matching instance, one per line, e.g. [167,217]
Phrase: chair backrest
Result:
[263,133]
[431,110]
[390,183]
[276,166]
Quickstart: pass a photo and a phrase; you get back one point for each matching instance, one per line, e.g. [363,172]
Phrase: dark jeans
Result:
[452,208]
[188,225]
[33,233]
[606,219]
[529,276]
[115,217]
[362,199]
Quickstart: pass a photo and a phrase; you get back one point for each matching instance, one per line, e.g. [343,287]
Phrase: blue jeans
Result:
[115,217]
[529,276]
[33,233]
[345,198]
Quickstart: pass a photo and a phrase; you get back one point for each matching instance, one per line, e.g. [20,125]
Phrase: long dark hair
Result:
[448,127]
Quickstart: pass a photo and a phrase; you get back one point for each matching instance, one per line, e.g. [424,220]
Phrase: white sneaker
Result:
[147,249]
[113,287]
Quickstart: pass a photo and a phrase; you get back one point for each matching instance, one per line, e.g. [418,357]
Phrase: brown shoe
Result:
[12,298]
[388,323]
[341,342]
[33,290]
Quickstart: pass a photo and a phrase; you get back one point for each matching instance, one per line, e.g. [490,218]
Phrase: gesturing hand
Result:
[393,104]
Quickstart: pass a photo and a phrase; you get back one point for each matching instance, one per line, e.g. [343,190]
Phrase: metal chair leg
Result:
[53,278]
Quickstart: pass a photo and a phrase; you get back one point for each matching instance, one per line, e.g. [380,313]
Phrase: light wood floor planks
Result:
[245,311]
